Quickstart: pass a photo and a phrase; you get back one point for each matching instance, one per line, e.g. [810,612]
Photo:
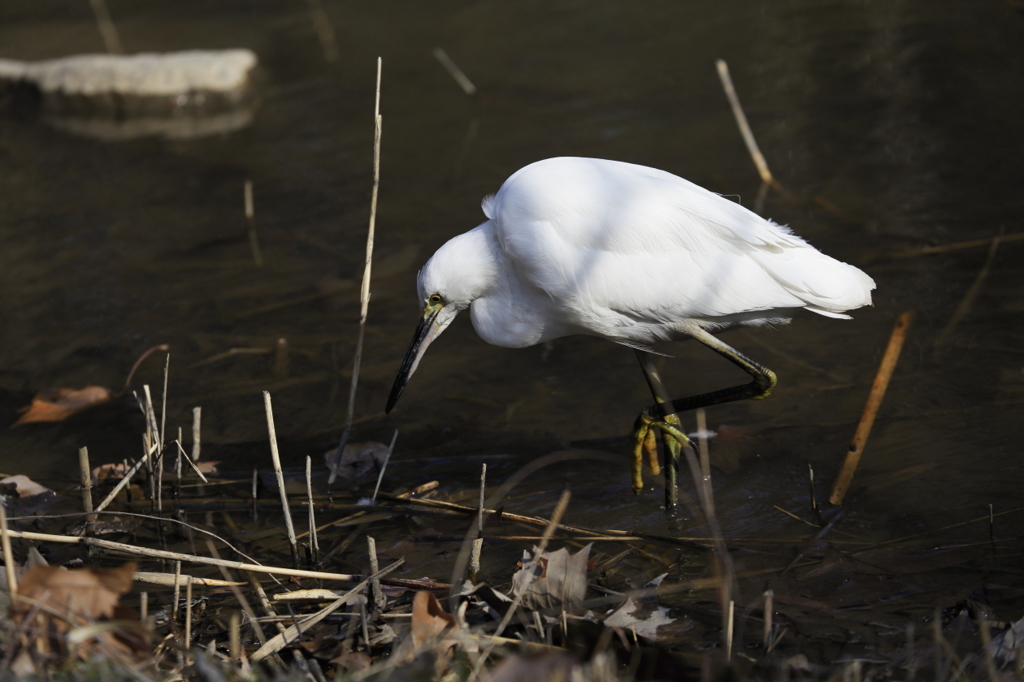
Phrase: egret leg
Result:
[672,445]
[763,382]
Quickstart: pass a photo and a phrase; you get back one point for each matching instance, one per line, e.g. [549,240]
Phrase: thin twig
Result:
[364,291]
[867,420]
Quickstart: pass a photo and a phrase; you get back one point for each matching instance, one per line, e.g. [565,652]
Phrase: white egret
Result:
[631,254]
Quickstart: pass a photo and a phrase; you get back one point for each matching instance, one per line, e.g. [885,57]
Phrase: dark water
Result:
[904,118]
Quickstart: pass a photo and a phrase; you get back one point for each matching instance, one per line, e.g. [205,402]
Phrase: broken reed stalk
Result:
[364,291]
[276,457]
[177,590]
[867,419]
[5,545]
[483,489]
[474,559]
[234,636]
[455,72]
[188,614]
[314,545]
[968,300]
[766,637]
[197,417]
[163,403]
[126,480]
[744,126]
[379,600]
[250,226]
[86,474]
[730,625]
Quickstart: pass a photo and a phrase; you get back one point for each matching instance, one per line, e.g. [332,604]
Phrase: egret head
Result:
[460,272]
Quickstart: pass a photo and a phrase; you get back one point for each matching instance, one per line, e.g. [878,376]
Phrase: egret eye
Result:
[434,299]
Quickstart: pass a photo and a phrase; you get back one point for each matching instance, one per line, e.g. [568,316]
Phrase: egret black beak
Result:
[426,331]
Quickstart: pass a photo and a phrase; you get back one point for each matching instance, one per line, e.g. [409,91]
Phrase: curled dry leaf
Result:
[54,405]
[557,580]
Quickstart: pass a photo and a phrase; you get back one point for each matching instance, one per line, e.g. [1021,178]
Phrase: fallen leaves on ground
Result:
[57,610]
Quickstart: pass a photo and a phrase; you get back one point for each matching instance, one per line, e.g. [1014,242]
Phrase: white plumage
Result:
[629,253]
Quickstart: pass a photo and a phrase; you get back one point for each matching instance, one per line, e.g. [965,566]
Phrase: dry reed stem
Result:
[483,489]
[379,600]
[5,544]
[197,417]
[250,226]
[173,556]
[177,590]
[455,72]
[167,579]
[767,634]
[125,481]
[188,614]
[280,641]
[111,39]
[314,545]
[729,627]
[234,637]
[968,300]
[364,290]
[163,404]
[85,471]
[867,420]
[276,457]
[744,126]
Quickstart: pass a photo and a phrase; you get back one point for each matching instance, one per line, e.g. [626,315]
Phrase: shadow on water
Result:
[904,116]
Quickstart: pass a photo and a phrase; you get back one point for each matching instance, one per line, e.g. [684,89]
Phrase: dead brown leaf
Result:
[54,405]
[557,581]
[52,600]
[432,627]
